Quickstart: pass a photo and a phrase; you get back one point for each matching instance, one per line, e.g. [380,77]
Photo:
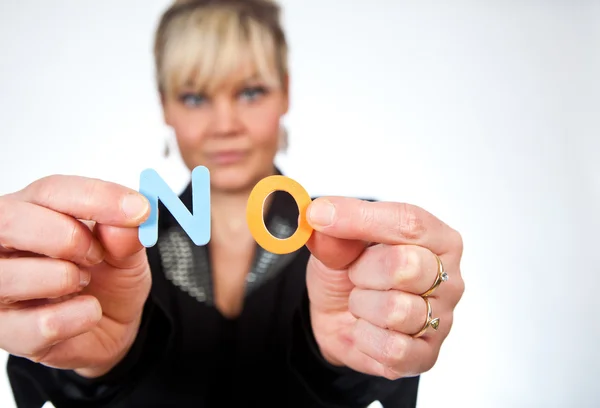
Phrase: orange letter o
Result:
[256,222]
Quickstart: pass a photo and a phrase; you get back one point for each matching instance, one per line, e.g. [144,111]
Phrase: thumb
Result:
[122,282]
[333,252]
[123,249]
[329,286]
[328,289]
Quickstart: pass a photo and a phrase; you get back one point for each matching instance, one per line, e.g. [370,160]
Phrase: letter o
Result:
[255,218]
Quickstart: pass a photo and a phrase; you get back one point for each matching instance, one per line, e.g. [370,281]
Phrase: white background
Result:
[484,113]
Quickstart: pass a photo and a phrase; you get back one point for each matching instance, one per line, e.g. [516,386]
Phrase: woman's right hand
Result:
[74,276]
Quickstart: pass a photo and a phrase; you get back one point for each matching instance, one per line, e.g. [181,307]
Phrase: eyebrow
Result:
[189,86]
[252,78]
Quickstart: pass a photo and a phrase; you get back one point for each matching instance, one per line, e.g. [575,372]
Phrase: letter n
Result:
[195,224]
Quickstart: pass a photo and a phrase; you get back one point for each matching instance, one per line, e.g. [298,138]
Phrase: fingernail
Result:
[134,206]
[95,255]
[321,213]
[84,278]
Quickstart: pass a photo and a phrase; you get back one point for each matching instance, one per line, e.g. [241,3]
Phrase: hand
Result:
[73,274]
[370,262]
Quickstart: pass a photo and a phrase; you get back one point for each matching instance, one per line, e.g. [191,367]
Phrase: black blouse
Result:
[187,354]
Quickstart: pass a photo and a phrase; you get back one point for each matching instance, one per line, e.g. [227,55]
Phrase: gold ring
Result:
[442,276]
[429,322]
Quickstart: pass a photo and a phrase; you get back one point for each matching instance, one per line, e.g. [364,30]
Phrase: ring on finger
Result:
[442,276]
[434,323]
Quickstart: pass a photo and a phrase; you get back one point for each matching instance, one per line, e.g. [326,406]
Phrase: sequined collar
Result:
[188,265]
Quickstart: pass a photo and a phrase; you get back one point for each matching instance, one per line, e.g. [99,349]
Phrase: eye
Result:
[192,100]
[253,93]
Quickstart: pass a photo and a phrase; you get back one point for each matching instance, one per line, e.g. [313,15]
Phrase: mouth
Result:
[225,157]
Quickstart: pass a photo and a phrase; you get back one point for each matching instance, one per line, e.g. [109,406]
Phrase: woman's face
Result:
[233,131]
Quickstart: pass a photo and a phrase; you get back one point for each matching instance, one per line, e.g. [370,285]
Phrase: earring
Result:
[167,150]
[283,139]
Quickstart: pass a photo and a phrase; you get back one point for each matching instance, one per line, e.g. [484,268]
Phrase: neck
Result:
[228,212]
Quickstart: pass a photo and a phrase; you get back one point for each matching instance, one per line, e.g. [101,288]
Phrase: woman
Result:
[91,318]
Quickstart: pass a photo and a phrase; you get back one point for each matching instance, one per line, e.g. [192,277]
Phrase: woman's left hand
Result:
[371,263]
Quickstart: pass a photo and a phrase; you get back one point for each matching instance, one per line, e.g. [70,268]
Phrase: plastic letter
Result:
[195,224]
[256,223]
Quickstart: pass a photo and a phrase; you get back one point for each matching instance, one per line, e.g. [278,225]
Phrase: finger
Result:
[88,223]
[89,199]
[123,282]
[75,354]
[333,252]
[409,268]
[122,246]
[39,278]
[381,222]
[394,310]
[399,354]
[30,228]
[32,331]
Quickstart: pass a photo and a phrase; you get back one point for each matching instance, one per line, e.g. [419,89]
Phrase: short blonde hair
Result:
[201,43]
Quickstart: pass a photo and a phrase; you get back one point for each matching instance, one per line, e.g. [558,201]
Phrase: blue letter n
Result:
[196,224]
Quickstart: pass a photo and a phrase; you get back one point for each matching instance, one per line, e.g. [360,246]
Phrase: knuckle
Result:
[73,239]
[90,191]
[70,278]
[429,363]
[391,374]
[7,283]
[410,224]
[352,302]
[354,275]
[446,315]
[449,322]
[395,259]
[414,265]
[397,310]
[41,190]
[456,289]
[6,215]
[402,265]
[48,327]
[458,241]
[460,291]
[39,356]
[367,215]
[394,350]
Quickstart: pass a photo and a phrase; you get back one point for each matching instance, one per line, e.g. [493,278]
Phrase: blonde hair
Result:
[201,43]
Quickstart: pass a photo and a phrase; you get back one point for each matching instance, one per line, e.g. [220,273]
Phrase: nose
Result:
[226,121]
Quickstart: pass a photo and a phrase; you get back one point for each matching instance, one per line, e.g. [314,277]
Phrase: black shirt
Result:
[187,354]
